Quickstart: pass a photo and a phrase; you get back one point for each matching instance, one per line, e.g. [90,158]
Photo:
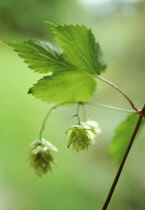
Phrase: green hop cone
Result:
[94,126]
[79,136]
[41,157]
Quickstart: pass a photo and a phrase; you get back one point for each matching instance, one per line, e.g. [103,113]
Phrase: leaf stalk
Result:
[118,89]
[111,107]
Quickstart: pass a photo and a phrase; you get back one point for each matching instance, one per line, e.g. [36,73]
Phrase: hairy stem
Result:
[141,115]
[118,89]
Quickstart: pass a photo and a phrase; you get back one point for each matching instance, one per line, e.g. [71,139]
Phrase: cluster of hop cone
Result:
[80,136]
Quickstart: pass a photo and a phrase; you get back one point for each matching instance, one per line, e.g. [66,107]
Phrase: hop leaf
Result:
[79,136]
[40,156]
[70,71]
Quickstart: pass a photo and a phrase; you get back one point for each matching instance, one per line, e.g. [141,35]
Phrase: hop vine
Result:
[71,78]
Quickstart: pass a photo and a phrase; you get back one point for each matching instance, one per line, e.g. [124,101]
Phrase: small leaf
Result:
[65,87]
[122,137]
[40,56]
[79,47]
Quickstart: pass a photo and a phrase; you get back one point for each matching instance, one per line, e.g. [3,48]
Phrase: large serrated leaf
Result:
[122,137]
[79,47]
[72,86]
[41,56]
[72,70]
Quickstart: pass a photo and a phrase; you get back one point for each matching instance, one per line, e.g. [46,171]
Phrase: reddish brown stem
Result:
[141,115]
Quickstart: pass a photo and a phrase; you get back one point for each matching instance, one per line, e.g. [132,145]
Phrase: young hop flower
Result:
[79,136]
[40,156]
[95,128]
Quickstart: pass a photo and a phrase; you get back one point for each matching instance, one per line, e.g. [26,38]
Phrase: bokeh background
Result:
[79,181]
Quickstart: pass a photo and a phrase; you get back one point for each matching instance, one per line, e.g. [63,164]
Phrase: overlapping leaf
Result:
[79,47]
[72,69]
[122,136]
[40,56]
[69,86]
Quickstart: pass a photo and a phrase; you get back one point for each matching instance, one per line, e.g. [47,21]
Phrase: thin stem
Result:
[48,114]
[118,89]
[45,120]
[142,114]
[84,112]
[110,107]
[78,106]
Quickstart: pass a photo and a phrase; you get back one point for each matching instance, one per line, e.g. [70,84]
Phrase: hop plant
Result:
[80,136]
[41,157]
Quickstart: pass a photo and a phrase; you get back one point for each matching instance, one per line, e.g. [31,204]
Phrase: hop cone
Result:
[95,128]
[79,136]
[41,157]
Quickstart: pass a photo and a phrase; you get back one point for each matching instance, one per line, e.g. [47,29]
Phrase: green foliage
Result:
[122,136]
[71,72]
[69,86]
[41,56]
[79,47]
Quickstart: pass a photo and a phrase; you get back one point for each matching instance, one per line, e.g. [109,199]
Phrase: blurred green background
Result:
[80,181]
